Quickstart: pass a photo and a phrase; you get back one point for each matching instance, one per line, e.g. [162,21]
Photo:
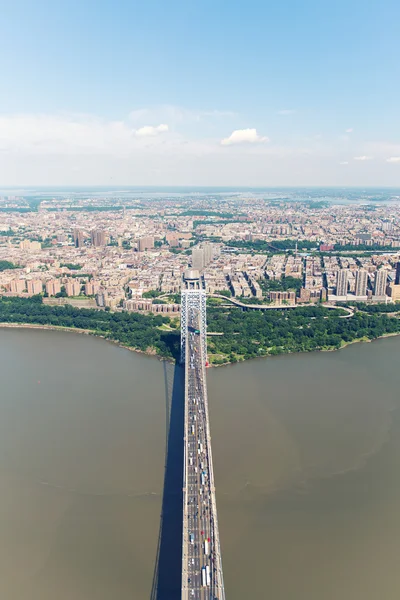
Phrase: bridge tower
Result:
[193,300]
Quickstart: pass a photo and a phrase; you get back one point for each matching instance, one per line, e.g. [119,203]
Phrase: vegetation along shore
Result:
[242,335]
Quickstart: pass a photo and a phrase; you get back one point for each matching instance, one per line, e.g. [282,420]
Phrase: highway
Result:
[348,310]
[201,569]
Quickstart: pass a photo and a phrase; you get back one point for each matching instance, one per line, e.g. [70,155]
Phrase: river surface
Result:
[307,465]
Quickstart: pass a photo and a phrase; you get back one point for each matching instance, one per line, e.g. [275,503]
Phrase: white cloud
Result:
[61,133]
[344,162]
[363,158]
[350,130]
[243,136]
[69,134]
[76,135]
[286,111]
[151,131]
[81,149]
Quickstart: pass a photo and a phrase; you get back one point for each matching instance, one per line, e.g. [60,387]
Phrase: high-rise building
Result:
[145,243]
[198,258]
[387,226]
[280,297]
[30,246]
[342,282]
[92,287]
[208,253]
[397,279]
[53,287]
[98,237]
[361,282]
[17,286]
[34,286]
[202,255]
[380,282]
[394,292]
[78,238]
[73,288]
[101,298]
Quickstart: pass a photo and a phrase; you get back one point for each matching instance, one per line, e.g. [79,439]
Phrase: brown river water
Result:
[306,456]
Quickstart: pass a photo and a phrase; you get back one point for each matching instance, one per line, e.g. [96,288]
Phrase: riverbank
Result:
[236,335]
[150,352]
[153,353]
[332,349]
[138,332]
[366,339]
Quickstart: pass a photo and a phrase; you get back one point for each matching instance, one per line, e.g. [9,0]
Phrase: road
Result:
[348,310]
[202,570]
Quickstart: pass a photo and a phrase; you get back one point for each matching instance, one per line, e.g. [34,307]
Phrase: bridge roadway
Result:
[201,555]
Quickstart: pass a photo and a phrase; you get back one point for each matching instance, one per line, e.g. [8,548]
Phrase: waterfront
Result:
[306,451]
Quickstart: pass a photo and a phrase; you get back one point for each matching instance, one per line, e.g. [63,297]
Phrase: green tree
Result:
[6,264]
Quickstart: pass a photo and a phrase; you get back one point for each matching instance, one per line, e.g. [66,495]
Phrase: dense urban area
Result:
[112,264]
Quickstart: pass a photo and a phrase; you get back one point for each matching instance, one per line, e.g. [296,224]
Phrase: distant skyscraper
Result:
[198,258]
[397,280]
[208,250]
[361,282]
[202,255]
[387,226]
[380,282]
[341,282]
[78,238]
[98,238]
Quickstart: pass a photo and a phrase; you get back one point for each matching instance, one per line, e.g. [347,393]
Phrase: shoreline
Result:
[81,332]
[345,345]
[153,354]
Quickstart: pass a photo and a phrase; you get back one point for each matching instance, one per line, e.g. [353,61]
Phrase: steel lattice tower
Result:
[193,300]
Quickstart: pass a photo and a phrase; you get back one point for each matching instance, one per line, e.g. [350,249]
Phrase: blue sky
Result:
[202,93]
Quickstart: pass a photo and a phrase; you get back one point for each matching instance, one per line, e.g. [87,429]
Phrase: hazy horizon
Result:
[121,187]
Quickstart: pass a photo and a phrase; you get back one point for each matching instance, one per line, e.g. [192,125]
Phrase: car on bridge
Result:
[193,330]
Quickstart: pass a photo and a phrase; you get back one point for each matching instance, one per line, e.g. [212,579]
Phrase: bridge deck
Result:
[202,576]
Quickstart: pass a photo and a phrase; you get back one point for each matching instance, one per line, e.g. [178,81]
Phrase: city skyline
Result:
[190,94]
